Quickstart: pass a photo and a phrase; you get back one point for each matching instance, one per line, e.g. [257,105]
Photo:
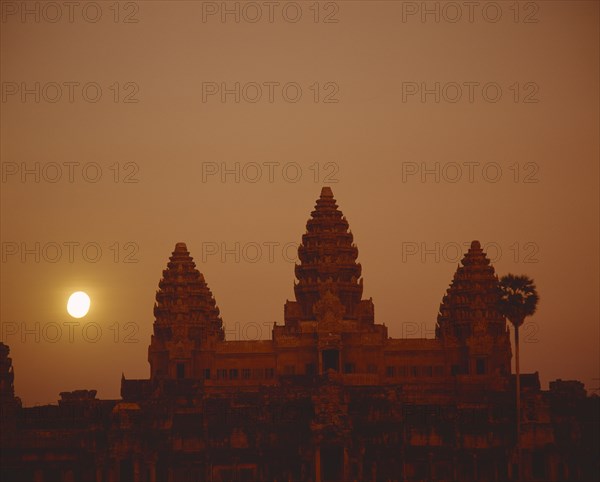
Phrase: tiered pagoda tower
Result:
[328,267]
[469,316]
[186,319]
[9,404]
[7,389]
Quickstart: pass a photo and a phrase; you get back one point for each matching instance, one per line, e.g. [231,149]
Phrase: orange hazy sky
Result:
[127,127]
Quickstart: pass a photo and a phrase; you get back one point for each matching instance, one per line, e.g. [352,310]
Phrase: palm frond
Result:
[518,298]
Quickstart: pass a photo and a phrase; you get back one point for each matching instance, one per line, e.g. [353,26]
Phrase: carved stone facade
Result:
[330,397]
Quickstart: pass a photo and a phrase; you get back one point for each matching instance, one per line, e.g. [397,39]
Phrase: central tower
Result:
[328,270]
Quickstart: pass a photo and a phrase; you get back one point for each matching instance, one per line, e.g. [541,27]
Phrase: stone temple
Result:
[330,397]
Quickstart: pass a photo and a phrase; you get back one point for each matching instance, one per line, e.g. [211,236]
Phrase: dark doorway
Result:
[331,360]
[180,371]
[126,470]
[480,366]
[332,464]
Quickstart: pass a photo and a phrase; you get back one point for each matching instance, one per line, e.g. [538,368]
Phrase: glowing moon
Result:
[78,304]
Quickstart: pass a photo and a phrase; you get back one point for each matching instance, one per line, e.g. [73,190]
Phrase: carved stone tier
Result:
[186,318]
[470,303]
[327,263]
[184,300]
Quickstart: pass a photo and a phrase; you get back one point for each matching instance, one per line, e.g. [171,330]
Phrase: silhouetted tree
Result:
[518,300]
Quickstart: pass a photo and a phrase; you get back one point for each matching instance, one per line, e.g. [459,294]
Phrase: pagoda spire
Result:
[9,404]
[7,389]
[471,298]
[184,297]
[328,260]
[186,322]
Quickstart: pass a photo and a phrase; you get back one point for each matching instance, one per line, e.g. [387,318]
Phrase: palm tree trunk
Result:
[518,384]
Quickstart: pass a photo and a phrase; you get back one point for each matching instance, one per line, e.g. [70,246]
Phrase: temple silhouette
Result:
[330,397]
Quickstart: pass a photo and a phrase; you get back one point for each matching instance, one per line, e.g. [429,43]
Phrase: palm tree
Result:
[518,300]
